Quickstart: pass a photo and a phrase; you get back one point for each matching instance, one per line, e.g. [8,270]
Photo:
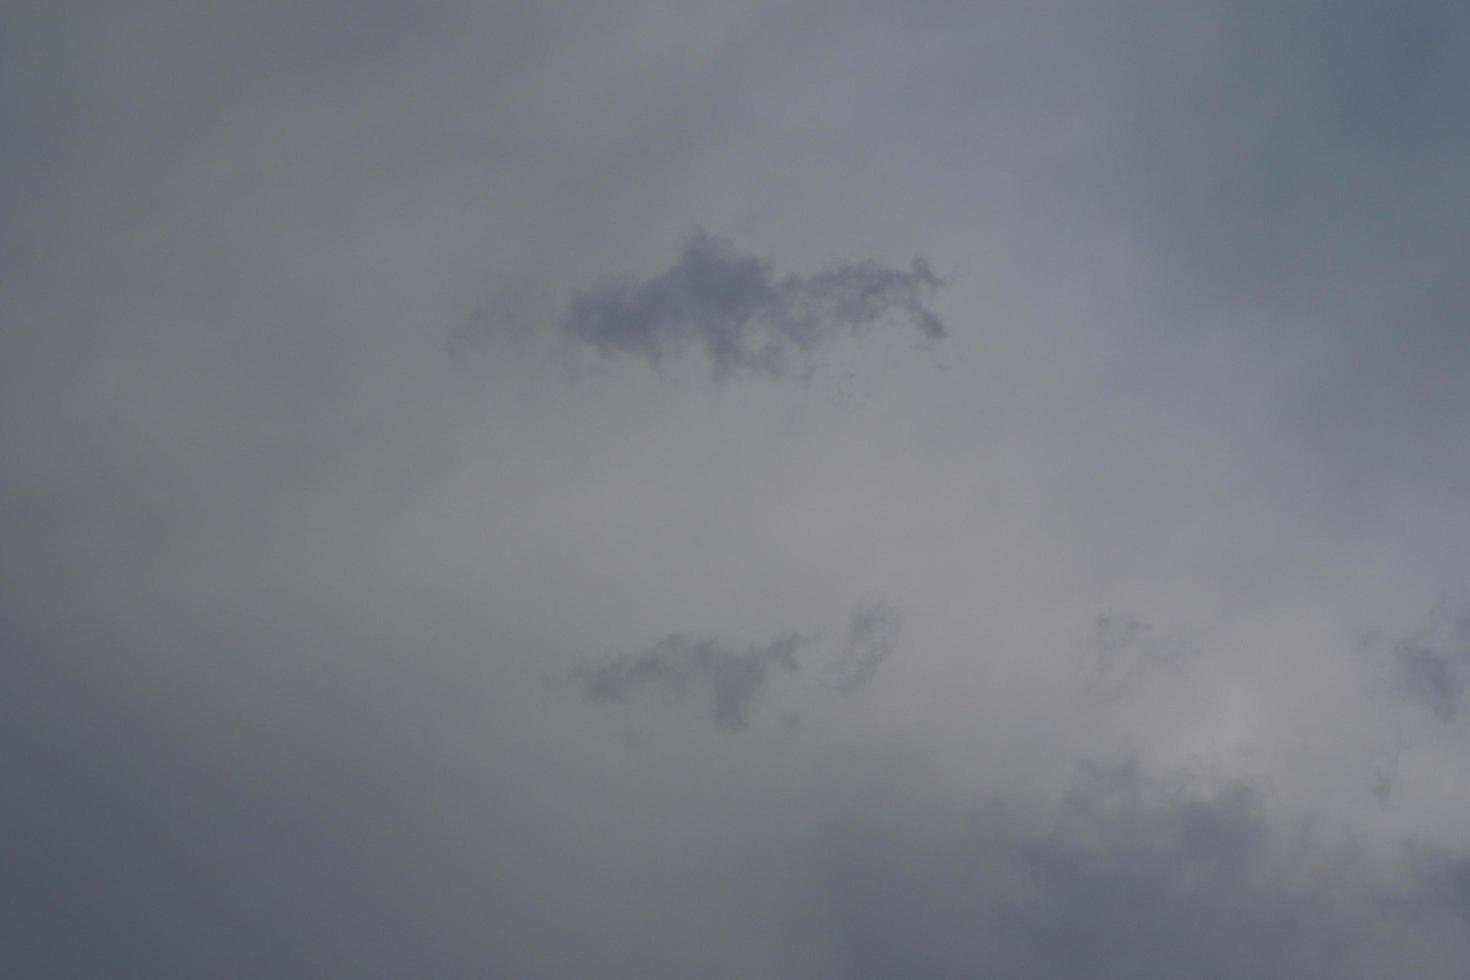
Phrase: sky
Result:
[705,490]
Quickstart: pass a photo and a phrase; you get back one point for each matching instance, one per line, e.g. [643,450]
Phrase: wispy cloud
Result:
[872,636]
[1124,652]
[744,317]
[1432,668]
[731,680]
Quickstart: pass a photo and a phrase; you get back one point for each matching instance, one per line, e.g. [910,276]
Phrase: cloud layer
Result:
[1169,674]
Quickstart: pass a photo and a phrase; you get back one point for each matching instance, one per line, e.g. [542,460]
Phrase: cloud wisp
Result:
[1126,652]
[731,680]
[1432,669]
[872,636]
[743,316]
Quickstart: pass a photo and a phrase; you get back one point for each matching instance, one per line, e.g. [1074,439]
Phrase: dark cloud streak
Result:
[733,680]
[744,317]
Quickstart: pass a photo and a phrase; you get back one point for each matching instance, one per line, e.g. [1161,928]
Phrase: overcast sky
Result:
[713,490]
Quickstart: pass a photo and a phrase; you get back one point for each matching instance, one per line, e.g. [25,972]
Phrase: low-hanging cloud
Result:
[743,316]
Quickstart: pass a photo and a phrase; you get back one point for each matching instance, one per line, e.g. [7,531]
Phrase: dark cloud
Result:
[1133,876]
[1432,667]
[746,318]
[872,635]
[731,680]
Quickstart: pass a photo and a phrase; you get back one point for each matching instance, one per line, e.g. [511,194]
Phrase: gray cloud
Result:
[1125,652]
[871,637]
[1132,876]
[1440,890]
[279,590]
[731,680]
[1432,667]
[502,325]
[1316,194]
[743,316]
[473,338]
[1324,114]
